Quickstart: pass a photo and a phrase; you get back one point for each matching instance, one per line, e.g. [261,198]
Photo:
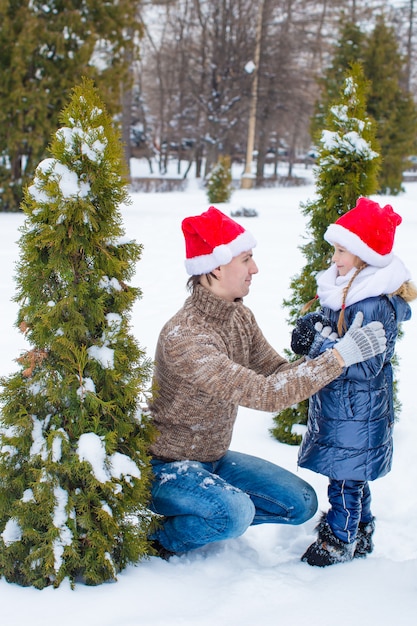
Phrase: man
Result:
[212,357]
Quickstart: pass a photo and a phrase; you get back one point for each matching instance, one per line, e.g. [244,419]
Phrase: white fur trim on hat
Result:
[336,234]
[221,255]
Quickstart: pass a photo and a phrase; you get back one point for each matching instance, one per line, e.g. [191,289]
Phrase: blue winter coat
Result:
[350,422]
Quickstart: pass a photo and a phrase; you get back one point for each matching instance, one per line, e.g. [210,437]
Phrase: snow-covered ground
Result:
[258,578]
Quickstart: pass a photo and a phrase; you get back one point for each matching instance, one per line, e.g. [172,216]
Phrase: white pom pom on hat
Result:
[213,239]
[367,231]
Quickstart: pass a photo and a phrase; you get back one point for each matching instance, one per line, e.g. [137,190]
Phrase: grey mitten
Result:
[361,343]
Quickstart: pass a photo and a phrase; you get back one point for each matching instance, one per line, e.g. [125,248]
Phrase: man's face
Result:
[234,279]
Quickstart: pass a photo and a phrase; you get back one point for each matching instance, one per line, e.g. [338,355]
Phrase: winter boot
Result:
[159,550]
[328,549]
[364,543]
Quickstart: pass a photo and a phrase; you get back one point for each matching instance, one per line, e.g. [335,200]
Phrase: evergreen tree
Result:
[46,47]
[219,184]
[74,469]
[348,50]
[347,167]
[390,105]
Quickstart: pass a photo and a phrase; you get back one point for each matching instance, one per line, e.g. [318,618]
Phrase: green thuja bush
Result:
[74,469]
[219,184]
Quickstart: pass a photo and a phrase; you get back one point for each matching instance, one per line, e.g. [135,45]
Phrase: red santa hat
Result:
[367,231]
[213,239]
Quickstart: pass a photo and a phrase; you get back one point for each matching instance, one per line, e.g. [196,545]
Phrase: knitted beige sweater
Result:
[210,358]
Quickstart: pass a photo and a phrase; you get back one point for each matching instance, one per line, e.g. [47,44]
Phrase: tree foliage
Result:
[74,470]
[347,168]
[347,51]
[389,104]
[46,47]
[219,182]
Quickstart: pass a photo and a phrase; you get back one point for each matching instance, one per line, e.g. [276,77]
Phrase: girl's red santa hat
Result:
[213,239]
[367,231]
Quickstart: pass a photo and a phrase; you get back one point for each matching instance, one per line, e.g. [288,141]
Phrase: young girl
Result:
[350,422]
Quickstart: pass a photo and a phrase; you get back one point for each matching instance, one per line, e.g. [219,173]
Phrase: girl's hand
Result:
[310,332]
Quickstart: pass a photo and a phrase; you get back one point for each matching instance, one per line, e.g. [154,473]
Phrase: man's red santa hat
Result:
[213,239]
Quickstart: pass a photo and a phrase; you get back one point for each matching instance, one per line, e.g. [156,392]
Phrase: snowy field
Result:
[258,578]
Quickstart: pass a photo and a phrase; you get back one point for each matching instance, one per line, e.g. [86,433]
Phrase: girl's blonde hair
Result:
[407,291]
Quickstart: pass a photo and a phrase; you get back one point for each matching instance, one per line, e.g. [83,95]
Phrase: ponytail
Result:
[308,305]
[341,324]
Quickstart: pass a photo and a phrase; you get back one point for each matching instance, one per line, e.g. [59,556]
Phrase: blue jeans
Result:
[205,502]
[350,502]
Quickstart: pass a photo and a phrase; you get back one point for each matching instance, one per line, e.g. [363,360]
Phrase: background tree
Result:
[46,47]
[391,105]
[195,90]
[219,182]
[202,50]
[347,168]
[74,472]
[403,19]
[292,50]
[348,50]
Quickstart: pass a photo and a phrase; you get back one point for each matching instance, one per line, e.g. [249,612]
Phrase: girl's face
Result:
[344,260]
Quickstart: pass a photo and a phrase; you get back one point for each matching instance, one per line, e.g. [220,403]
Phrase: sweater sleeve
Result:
[201,361]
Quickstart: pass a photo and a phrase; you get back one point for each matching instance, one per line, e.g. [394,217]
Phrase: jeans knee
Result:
[240,513]
[306,506]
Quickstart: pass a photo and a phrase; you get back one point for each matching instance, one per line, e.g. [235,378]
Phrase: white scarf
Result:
[371,281]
